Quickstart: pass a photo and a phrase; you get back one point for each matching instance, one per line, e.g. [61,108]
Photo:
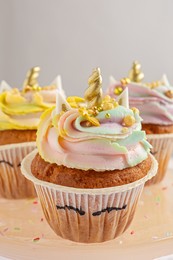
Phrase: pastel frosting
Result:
[154,106]
[65,139]
[22,110]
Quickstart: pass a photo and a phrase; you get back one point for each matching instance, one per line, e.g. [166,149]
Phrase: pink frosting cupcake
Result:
[91,165]
[155,103]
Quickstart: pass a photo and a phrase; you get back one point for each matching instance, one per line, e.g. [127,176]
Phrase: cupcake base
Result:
[13,185]
[89,179]
[157,129]
[87,215]
[162,150]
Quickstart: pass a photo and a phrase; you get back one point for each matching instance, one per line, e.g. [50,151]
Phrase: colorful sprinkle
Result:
[36,239]
[164,188]
[158,199]
[16,228]
[146,217]
[168,234]
[30,221]
[35,202]
[132,232]
[141,202]
[41,219]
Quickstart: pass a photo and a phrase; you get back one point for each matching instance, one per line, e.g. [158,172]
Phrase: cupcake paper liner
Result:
[162,150]
[87,215]
[13,185]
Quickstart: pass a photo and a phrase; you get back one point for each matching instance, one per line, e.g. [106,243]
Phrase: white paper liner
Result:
[162,150]
[13,185]
[86,215]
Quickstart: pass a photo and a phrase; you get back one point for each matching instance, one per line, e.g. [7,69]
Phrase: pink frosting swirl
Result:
[68,141]
[154,106]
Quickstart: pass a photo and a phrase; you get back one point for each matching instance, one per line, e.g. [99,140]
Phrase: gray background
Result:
[72,37]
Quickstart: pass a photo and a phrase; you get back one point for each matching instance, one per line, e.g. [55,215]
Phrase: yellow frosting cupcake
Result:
[20,111]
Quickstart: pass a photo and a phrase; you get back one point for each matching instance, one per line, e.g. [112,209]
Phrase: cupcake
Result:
[155,103]
[20,111]
[91,165]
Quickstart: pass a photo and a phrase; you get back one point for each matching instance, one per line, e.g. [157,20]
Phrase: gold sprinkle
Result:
[169,93]
[94,121]
[135,110]
[64,108]
[118,90]
[129,120]
[95,112]
[108,106]
[74,101]
[125,81]
[115,103]
[107,98]
[36,88]
[154,84]
[100,108]
[51,87]
[84,112]
[107,115]
[90,111]
[124,130]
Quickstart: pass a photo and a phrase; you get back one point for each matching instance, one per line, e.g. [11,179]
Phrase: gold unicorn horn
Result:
[31,79]
[93,94]
[135,74]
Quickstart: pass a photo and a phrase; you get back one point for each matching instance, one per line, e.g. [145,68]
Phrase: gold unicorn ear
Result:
[31,80]
[93,94]
[135,74]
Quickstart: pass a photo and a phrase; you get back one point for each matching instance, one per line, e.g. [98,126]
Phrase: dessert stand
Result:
[25,234]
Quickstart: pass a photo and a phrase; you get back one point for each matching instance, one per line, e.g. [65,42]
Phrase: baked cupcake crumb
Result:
[89,179]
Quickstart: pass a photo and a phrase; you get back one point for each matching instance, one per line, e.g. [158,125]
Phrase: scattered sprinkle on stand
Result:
[164,188]
[17,228]
[168,234]
[30,221]
[157,200]
[132,232]
[36,239]
[146,217]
